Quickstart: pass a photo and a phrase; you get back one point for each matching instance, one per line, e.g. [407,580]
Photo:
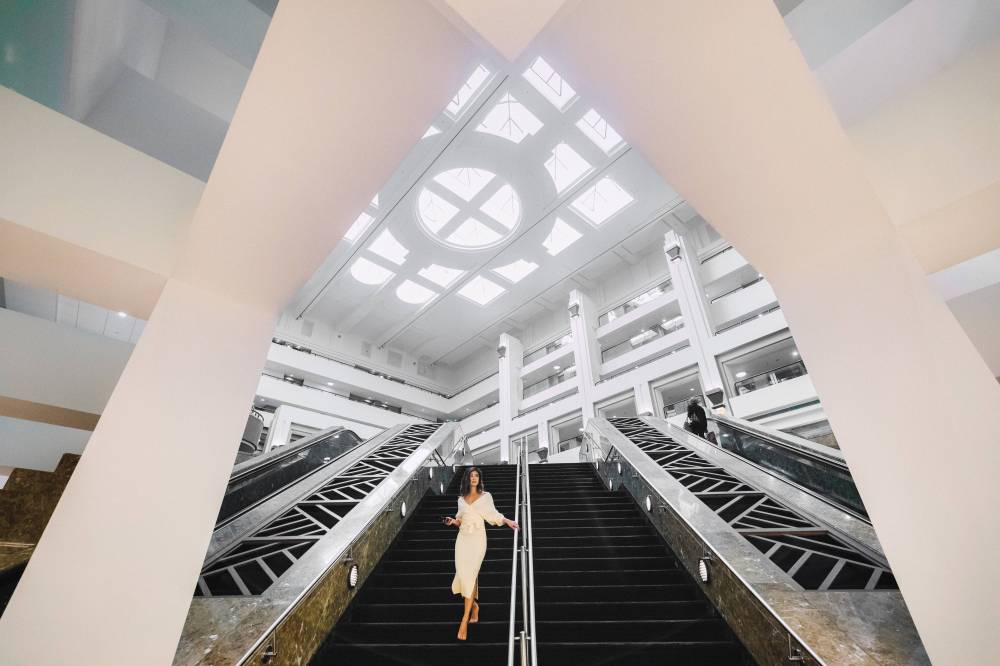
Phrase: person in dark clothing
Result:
[697,422]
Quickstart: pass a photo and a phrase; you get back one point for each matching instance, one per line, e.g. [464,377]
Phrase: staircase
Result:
[406,613]
[608,590]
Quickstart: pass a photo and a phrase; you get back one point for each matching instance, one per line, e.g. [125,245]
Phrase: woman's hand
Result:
[452,522]
[511,524]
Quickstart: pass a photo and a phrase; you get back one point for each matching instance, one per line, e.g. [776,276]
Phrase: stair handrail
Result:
[529,619]
[513,566]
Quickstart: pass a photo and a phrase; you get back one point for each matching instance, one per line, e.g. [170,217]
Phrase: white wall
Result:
[34,445]
[45,362]
[74,183]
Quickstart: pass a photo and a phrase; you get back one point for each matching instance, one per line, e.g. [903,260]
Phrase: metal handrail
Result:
[529,621]
[513,567]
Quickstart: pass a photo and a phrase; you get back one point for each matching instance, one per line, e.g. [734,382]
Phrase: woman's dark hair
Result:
[467,483]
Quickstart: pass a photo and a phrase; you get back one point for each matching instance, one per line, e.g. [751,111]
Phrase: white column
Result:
[586,350]
[644,399]
[746,135]
[685,279]
[511,353]
[280,431]
[112,578]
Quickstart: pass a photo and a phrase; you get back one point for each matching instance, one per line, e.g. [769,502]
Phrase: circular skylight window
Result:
[468,209]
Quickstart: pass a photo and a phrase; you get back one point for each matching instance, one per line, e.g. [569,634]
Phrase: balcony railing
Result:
[770,378]
[632,304]
[643,337]
[548,382]
[547,349]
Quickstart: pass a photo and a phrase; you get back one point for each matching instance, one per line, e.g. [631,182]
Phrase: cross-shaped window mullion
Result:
[481,215]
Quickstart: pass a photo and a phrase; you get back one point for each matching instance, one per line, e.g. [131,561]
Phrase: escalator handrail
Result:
[513,566]
[258,463]
[805,448]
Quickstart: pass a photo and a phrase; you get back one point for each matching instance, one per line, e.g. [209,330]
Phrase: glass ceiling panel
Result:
[504,206]
[467,92]
[440,275]
[387,247]
[465,182]
[413,293]
[368,272]
[435,211]
[516,271]
[599,131]
[565,166]
[560,238]
[480,290]
[510,120]
[601,201]
[472,234]
[359,227]
[552,86]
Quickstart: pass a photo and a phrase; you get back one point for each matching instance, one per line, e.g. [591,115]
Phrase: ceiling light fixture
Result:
[122,314]
[741,374]
[431,131]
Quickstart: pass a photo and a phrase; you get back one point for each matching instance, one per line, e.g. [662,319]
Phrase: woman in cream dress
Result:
[475,509]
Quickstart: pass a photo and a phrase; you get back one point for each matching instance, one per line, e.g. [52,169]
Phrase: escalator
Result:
[261,477]
[406,613]
[608,590]
[815,468]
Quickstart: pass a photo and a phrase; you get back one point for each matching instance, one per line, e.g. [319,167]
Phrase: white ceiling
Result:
[449,327]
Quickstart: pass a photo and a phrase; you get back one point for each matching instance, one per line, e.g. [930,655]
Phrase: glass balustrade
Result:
[643,337]
[548,382]
[547,349]
[770,378]
[632,304]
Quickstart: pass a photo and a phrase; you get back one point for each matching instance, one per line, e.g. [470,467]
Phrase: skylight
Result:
[561,237]
[565,166]
[599,131]
[359,227]
[411,292]
[516,271]
[510,120]
[473,233]
[431,131]
[601,201]
[387,247]
[467,92]
[368,272]
[504,206]
[465,182]
[435,211]
[549,84]
[440,275]
[481,291]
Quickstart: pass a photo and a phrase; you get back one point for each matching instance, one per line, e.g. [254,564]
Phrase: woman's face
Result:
[474,479]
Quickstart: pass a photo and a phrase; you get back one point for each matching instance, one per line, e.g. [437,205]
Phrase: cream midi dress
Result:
[470,544]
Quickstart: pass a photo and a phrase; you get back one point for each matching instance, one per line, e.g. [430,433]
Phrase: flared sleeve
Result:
[489,511]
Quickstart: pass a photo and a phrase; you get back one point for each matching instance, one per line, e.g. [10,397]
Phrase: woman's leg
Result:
[464,627]
[474,617]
